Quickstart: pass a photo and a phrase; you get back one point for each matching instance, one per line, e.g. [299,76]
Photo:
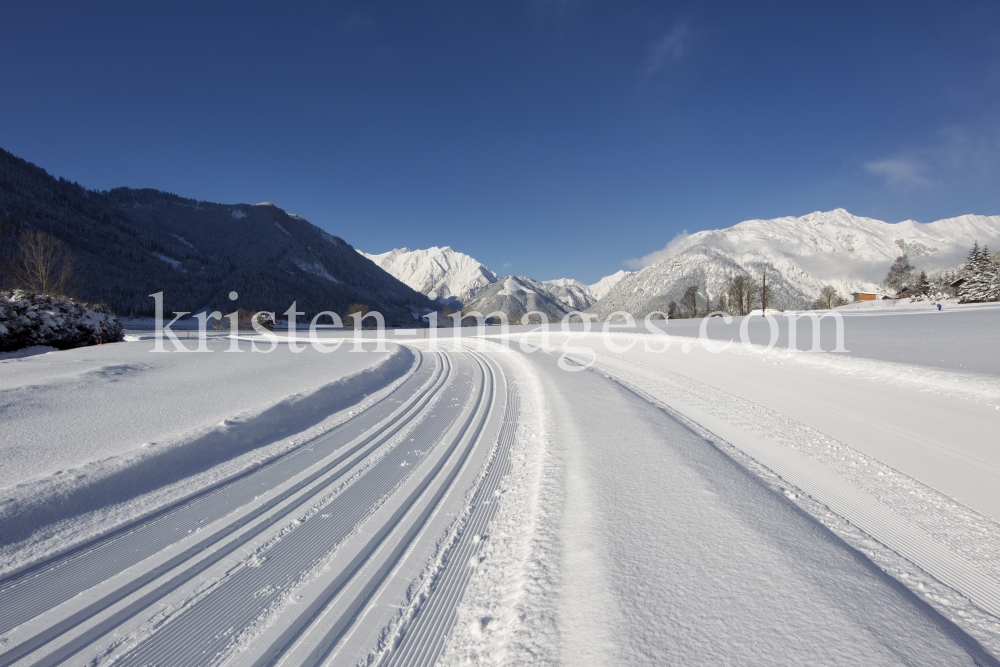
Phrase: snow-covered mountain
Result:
[800,255]
[454,276]
[514,295]
[604,285]
[572,293]
[458,279]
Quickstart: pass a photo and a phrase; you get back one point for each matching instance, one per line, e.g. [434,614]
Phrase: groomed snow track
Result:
[279,565]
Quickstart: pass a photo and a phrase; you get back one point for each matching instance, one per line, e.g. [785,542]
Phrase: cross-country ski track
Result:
[492,501]
[298,547]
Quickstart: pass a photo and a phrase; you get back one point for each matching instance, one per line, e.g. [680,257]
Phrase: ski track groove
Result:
[418,508]
[424,638]
[21,598]
[24,587]
[315,521]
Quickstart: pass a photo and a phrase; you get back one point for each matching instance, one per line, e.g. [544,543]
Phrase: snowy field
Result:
[91,431]
[493,502]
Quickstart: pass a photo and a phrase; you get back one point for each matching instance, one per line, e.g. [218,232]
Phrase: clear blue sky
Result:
[548,138]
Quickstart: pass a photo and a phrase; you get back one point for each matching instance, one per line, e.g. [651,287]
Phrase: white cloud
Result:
[904,171]
[669,49]
[953,154]
[666,252]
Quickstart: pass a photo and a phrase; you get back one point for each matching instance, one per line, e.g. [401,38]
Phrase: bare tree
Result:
[689,302]
[744,294]
[43,265]
[356,308]
[829,297]
[900,273]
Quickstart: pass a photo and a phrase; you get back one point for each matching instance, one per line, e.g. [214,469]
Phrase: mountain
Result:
[458,279]
[604,285]
[571,293]
[132,243]
[799,255]
[517,295]
[453,276]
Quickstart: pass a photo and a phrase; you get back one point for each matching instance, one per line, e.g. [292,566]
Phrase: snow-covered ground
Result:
[897,459]
[93,431]
[490,504]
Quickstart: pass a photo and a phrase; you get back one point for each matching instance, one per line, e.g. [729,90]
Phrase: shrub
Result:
[28,319]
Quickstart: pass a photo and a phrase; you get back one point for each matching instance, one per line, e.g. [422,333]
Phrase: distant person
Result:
[939,306]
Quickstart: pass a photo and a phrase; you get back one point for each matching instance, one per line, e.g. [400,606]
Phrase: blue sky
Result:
[548,138]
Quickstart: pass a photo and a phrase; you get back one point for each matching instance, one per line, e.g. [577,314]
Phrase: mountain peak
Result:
[450,274]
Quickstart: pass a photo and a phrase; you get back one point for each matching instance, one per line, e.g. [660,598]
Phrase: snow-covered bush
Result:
[28,319]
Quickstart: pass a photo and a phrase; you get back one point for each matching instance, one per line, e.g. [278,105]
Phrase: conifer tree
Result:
[923,284]
[982,278]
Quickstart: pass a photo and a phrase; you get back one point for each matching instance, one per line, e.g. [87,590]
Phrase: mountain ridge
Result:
[799,255]
[131,243]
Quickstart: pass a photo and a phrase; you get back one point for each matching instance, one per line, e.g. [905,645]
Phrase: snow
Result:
[238,213]
[455,276]
[451,274]
[799,255]
[316,268]
[897,459]
[757,504]
[123,410]
[643,544]
[26,352]
[185,241]
[511,287]
[175,263]
[282,229]
[604,285]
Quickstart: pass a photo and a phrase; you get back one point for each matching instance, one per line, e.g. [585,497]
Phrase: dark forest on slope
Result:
[131,243]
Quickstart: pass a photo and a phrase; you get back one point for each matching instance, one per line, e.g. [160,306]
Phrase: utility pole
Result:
[763,296]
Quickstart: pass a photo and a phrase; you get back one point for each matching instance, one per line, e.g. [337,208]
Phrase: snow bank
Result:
[126,429]
[28,320]
[29,351]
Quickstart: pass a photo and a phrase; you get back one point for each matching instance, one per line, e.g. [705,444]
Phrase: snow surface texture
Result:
[898,459]
[799,255]
[452,275]
[623,534]
[625,538]
[130,421]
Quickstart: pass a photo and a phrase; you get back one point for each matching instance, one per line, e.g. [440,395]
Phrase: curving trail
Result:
[289,562]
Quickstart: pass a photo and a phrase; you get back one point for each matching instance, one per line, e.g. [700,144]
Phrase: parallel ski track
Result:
[28,594]
[424,637]
[340,612]
[202,633]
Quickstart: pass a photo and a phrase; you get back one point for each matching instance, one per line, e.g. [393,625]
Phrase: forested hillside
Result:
[131,243]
